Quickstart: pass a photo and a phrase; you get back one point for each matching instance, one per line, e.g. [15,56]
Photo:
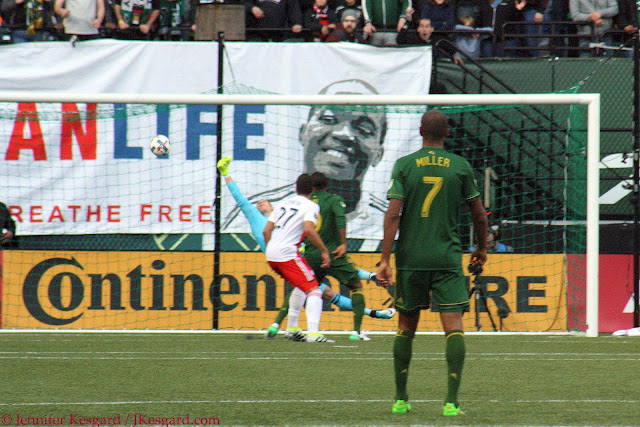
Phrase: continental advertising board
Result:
[160,290]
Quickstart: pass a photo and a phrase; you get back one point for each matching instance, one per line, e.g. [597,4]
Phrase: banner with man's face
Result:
[355,147]
[87,169]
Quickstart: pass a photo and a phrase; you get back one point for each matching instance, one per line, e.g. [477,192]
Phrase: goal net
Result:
[109,236]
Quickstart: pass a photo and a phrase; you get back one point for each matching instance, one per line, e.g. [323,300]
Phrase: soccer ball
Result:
[160,145]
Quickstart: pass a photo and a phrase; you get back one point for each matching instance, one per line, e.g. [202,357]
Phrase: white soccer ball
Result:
[160,145]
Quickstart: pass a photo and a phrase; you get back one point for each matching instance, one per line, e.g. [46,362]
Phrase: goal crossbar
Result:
[212,99]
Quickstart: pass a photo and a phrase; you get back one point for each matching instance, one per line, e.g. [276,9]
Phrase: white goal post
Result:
[592,101]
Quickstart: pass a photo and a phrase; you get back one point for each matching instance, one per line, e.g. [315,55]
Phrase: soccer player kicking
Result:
[288,224]
[425,194]
[333,231]
[257,217]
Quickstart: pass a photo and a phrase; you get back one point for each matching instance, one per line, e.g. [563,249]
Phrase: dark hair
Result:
[304,184]
[434,125]
[319,181]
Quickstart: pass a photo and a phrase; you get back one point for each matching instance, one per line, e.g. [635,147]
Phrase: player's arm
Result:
[223,167]
[342,249]
[268,229]
[480,227]
[341,223]
[316,240]
[391,224]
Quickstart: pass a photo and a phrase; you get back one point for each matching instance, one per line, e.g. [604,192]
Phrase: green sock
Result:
[357,299]
[284,310]
[402,349]
[455,361]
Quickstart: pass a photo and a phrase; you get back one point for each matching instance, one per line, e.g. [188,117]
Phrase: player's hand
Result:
[340,251]
[326,260]
[384,275]
[223,165]
[478,257]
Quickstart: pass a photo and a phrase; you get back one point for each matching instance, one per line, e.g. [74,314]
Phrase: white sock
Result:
[296,301]
[314,310]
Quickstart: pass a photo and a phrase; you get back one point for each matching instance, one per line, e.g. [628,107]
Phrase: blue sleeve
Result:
[257,221]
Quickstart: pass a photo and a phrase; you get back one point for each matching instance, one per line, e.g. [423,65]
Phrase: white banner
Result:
[63,180]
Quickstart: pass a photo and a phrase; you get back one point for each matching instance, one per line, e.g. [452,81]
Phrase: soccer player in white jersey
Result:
[290,222]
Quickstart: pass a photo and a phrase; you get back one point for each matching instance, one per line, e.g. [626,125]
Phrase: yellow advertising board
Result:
[176,290]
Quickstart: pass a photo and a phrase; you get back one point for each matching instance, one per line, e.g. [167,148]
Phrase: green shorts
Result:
[416,289]
[342,269]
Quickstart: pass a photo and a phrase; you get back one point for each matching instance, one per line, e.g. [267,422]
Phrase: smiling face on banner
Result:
[343,142]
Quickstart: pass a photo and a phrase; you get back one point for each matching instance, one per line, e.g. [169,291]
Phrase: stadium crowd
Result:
[477,28]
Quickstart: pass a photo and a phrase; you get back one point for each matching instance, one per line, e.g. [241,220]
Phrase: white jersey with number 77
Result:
[288,218]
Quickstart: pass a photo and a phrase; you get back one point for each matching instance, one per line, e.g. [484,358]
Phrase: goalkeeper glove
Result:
[223,165]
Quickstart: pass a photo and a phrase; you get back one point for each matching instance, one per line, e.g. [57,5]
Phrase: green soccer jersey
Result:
[330,220]
[432,183]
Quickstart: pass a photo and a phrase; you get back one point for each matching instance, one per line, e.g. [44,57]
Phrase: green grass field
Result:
[247,380]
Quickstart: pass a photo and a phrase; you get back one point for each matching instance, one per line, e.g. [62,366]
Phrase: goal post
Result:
[468,124]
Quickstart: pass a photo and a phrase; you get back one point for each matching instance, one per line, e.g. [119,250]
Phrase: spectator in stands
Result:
[308,4]
[598,13]
[470,43]
[627,20]
[533,12]
[347,29]
[423,36]
[7,227]
[495,13]
[31,20]
[384,19]
[558,11]
[139,17]
[415,11]
[493,245]
[441,13]
[320,19]
[177,19]
[110,22]
[273,15]
[351,5]
[81,18]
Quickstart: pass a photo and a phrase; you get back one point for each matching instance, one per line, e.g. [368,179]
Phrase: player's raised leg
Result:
[346,303]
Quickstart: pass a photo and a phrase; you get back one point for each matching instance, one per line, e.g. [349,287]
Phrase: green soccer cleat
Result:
[451,410]
[272,331]
[401,407]
[358,336]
